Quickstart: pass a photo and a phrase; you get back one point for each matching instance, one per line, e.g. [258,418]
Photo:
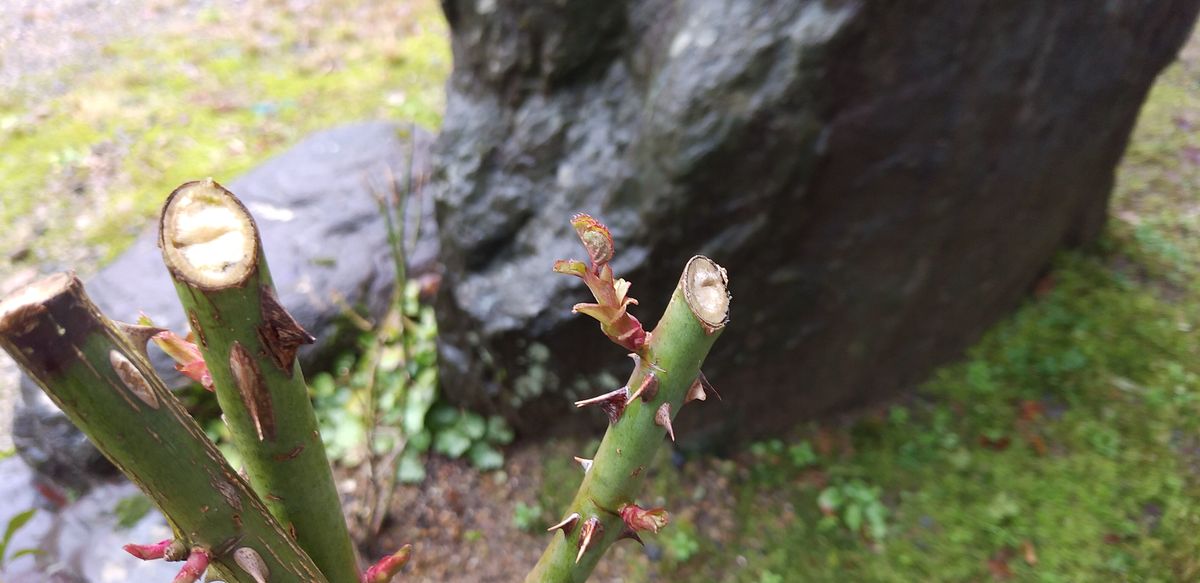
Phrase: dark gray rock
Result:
[883,180]
[325,240]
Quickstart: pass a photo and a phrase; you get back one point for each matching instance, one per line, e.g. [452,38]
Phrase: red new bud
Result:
[639,519]
[148,552]
[193,567]
[387,567]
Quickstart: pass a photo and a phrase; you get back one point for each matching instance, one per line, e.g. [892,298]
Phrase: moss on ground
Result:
[1065,447]
[207,97]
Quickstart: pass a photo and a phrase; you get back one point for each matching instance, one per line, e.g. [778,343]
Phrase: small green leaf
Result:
[24,552]
[391,357]
[451,443]
[854,517]
[441,417]
[485,457]
[410,470]
[417,404]
[498,431]
[472,425]
[323,385]
[420,441]
[14,524]
[131,509]
[830,499]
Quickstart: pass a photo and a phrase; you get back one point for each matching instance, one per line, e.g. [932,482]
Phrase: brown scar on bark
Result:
[289,455]
[132,378]
[194,324]
[280,333]
[254,393]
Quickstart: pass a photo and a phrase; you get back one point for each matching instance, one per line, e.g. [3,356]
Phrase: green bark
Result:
[104,384]
[249,343]
[678,346]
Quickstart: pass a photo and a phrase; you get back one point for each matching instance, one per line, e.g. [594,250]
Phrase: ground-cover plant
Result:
[14,524]
[282,520]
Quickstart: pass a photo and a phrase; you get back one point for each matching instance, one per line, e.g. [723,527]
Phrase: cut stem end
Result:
[208,238]
[706,289]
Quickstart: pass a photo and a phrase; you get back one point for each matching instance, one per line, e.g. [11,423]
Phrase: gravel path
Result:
[44,47]
[42,41]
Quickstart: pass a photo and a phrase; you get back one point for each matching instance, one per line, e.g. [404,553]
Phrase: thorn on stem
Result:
[139,335]
[612,403]
[648,390]
[591,531]
[567,524]
[662,418]
[586,463]
[280,333]
[628,533]
[709,386]
[254,393]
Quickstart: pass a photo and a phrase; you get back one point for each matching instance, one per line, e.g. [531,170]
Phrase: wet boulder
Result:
[883,181]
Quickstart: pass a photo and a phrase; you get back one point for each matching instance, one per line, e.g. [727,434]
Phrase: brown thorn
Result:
[662,418]
[253,390]
[709,386]
[566,525]
[591,529]
[630,534]
[139,336]
[279,332]
[612,403]
[648,390]
[695,392]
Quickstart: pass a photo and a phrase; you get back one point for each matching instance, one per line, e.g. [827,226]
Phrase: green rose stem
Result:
[212,249]
[666,377]
[99,377]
